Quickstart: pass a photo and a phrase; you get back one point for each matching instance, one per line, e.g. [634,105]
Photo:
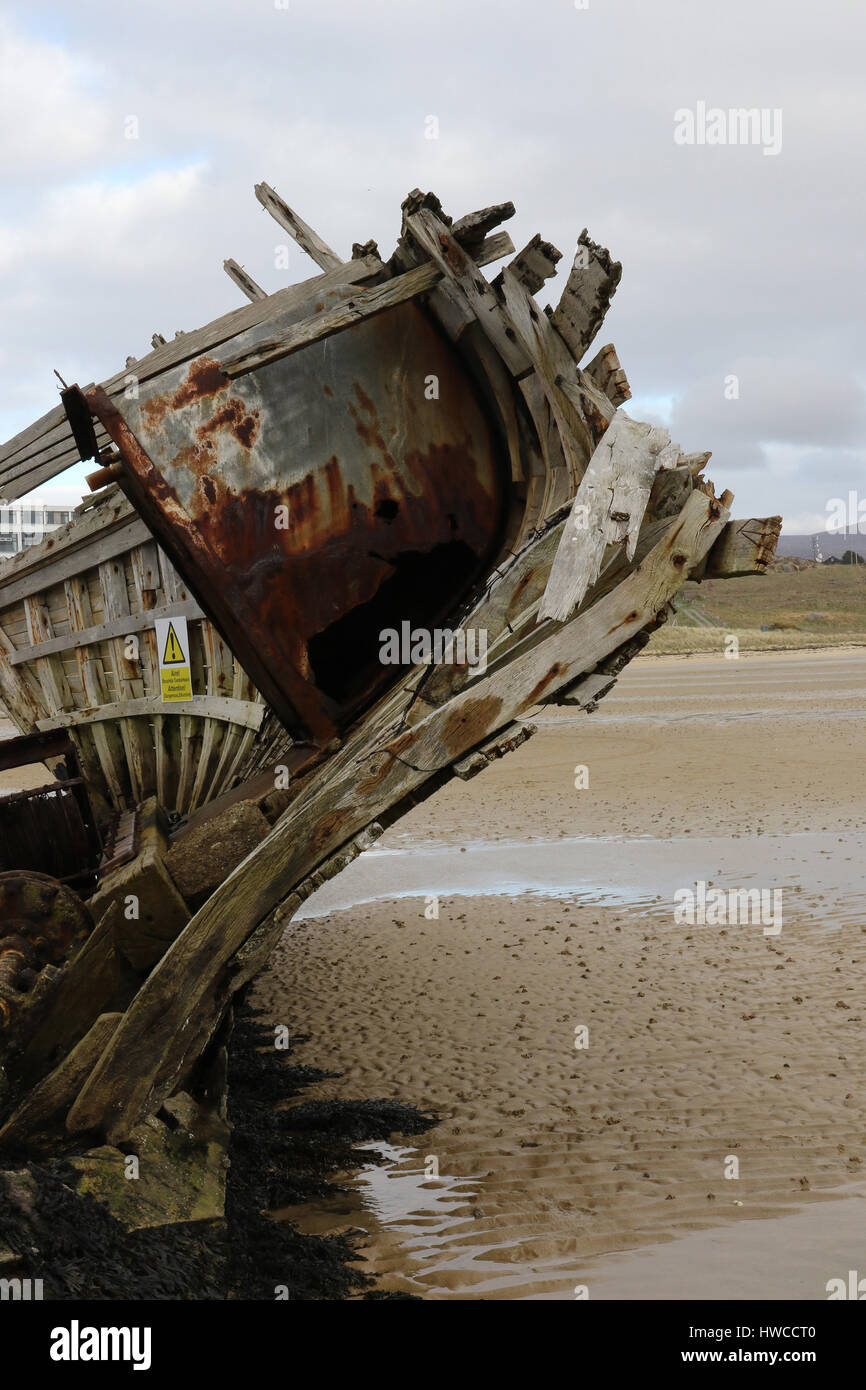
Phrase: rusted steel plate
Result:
[318,501]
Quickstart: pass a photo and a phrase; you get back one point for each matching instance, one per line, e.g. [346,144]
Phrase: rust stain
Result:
[625,622]
[557,669]
[233,417]
[204,378]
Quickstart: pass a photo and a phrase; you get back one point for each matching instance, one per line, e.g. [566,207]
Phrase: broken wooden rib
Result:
[586,298]
[535,263]
[608,375]
[297,228]
[744,547]
[608,508]
[243,281]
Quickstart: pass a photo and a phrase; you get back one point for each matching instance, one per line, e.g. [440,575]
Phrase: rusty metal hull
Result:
[319,501]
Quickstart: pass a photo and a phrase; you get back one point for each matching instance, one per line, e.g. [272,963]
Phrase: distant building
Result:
[22,525]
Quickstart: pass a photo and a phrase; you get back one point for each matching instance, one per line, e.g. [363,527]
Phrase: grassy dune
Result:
[813,606]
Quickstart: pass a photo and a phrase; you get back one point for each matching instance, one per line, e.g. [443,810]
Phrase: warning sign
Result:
[172,642]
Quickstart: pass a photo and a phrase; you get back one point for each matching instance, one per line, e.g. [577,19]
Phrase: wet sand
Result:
[605,1166]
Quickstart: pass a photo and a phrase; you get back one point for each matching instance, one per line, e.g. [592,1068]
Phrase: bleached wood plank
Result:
[49,670]
[608,508]
[585,300]
[474,226]
[244,282]
[297,228]
[535,263]
[19,700]
[103,547]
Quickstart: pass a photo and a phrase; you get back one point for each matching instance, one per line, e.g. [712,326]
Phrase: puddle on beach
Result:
[420,1238]
[813,868]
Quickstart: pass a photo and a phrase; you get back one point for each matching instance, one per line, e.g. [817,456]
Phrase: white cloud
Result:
[48,115]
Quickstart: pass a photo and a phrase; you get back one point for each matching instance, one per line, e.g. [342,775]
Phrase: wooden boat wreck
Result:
[394,446]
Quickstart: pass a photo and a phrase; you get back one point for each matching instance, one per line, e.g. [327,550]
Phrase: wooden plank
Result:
[127,680]
[53,1096]
[585,300]
[116,627]
[364,304]
[103,548]
[474,226]
[608,508]
[435,240]
[244,282]
[744,547]
[72,535]
[607,373]
[107,742]
[535,263]
[246,713]
[579,408]
[297,228]
[49,670]
[220,679]
[19,700]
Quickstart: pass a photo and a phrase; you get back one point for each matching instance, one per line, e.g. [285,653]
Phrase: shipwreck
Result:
[402,444]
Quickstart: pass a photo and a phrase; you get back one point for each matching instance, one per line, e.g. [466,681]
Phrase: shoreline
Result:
[704,1043]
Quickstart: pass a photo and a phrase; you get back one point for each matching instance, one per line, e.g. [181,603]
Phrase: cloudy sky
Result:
[740,314]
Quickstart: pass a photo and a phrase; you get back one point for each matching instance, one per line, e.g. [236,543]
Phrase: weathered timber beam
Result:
[535,263]
[297,228]
[744,547]
[364,304]
[244,712]
[474,227]
[609,507]
[244,282]
[103,547]
[590,287]
[15,693]
[607,373]
[434,239]
[582,412]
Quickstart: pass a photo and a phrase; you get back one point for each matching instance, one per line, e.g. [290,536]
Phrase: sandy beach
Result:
[603,1166]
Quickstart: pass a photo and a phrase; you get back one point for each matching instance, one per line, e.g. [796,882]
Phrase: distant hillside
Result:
[833,543]
[795,595]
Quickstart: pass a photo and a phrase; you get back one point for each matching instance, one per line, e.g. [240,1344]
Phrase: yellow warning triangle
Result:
[173,654]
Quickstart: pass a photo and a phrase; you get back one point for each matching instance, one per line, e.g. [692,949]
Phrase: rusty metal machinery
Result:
[42,924]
